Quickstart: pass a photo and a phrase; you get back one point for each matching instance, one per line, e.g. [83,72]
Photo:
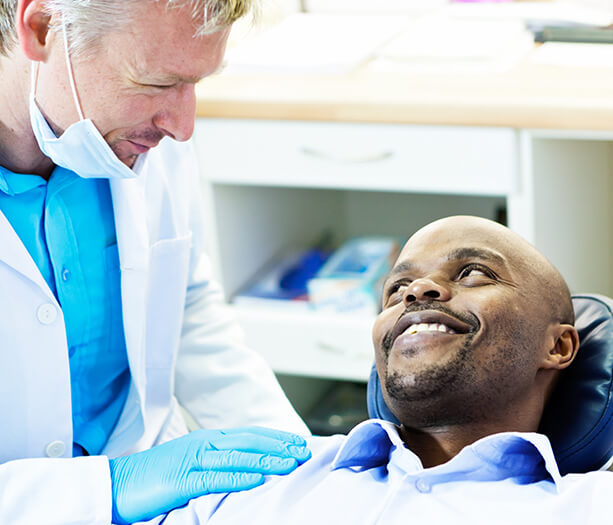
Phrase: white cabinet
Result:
[564,204]
[270,186]
[377,157]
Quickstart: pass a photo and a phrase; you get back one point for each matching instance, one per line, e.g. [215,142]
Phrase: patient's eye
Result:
[475,274]
[467,272]
[393,293]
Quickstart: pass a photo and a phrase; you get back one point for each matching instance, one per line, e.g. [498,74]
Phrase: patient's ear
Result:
[563,343]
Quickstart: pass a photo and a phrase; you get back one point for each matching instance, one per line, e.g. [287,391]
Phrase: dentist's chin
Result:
[127,151]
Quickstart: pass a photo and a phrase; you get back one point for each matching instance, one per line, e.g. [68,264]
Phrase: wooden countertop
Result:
[529,96]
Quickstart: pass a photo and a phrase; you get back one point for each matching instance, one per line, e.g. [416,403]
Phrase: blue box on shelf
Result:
[283,283]
[350,281]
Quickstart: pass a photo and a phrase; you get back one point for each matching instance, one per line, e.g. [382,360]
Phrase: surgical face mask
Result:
[81,148]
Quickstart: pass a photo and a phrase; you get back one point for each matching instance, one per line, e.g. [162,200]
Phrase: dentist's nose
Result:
[426,289]
[176,119]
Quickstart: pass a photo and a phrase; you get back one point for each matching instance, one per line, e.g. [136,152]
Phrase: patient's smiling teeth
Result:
[429,327]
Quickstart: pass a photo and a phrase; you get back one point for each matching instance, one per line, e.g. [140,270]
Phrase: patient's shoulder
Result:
[324,445]
[269,497]
[596,486]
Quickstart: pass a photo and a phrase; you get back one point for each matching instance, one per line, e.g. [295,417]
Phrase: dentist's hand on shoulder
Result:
[205,461]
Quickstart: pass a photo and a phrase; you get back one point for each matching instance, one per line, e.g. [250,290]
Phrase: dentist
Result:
[108,315]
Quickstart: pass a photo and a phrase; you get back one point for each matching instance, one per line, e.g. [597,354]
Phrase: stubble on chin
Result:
[460,391]
[430,380]
[426,397]
[128,159]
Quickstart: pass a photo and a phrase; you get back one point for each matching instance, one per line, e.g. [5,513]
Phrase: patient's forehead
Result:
[446,235]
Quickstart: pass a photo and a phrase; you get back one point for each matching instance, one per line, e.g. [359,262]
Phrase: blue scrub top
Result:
[67,226]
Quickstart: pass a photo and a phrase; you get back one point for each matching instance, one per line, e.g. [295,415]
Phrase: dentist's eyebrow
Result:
[173,78]
[170,77]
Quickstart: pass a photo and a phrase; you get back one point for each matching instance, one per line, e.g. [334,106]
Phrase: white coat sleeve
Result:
[218,380]
[55,491]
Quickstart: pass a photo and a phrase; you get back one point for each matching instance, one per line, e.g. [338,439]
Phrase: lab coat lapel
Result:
[133,245]
[14,254]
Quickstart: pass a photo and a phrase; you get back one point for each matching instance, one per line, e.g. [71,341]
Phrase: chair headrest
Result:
[579,416]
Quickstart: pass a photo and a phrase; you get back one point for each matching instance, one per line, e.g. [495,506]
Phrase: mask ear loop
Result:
[70,73]
[34,78]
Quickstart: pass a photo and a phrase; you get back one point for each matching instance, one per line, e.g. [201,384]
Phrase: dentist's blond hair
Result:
[88,20]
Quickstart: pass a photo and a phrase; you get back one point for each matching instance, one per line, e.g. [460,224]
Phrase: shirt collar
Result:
[368,445]
[521,455]
[16,183]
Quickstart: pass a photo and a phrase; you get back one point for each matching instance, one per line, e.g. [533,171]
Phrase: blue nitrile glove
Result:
[162,478]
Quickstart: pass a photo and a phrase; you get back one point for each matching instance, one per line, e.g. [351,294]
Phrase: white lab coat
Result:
[181,341]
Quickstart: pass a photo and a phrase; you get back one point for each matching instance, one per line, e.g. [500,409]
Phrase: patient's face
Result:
[460,323]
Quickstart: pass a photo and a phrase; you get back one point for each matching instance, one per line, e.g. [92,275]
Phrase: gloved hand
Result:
[167,476]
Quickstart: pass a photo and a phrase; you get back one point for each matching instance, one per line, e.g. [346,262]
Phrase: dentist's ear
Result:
[563,346]
[32,26]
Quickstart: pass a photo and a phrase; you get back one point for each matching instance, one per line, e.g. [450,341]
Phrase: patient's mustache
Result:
[467,318]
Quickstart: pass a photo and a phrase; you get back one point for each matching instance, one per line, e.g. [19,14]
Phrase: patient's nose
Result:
[426,289]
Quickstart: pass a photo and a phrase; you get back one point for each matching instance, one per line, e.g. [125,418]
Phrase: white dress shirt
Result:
[371,477]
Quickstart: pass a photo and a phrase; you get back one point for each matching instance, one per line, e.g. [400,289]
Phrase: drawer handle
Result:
[361,158]
[331,348]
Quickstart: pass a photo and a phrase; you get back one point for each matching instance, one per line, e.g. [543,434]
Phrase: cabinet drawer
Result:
[310,344]
[380,157]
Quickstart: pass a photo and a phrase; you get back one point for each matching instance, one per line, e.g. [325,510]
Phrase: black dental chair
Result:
[579,416]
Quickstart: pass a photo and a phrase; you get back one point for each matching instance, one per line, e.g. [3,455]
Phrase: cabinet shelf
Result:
[310,343]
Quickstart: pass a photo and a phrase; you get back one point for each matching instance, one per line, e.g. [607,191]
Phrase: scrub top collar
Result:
[15,183]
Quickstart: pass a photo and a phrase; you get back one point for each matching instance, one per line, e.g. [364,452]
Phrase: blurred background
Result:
[337,128]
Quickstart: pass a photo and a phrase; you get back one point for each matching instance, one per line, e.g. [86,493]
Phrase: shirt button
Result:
[423,486]
[55,449]
[46,313]
[66,274]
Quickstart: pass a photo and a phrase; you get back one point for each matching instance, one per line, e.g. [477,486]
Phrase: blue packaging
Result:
[351,279]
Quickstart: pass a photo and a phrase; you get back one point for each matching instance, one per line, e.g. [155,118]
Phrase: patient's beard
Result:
[426,394]
[463,390]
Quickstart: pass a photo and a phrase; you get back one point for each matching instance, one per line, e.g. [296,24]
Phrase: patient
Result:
[476,326]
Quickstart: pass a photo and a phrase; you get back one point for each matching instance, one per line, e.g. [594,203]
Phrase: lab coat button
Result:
[47,313]
[55,449]
[423,486]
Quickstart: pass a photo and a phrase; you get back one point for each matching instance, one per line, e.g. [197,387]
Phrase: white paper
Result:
[370,6]
[574,55]
[534,13]
[309,43]
[443,44]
